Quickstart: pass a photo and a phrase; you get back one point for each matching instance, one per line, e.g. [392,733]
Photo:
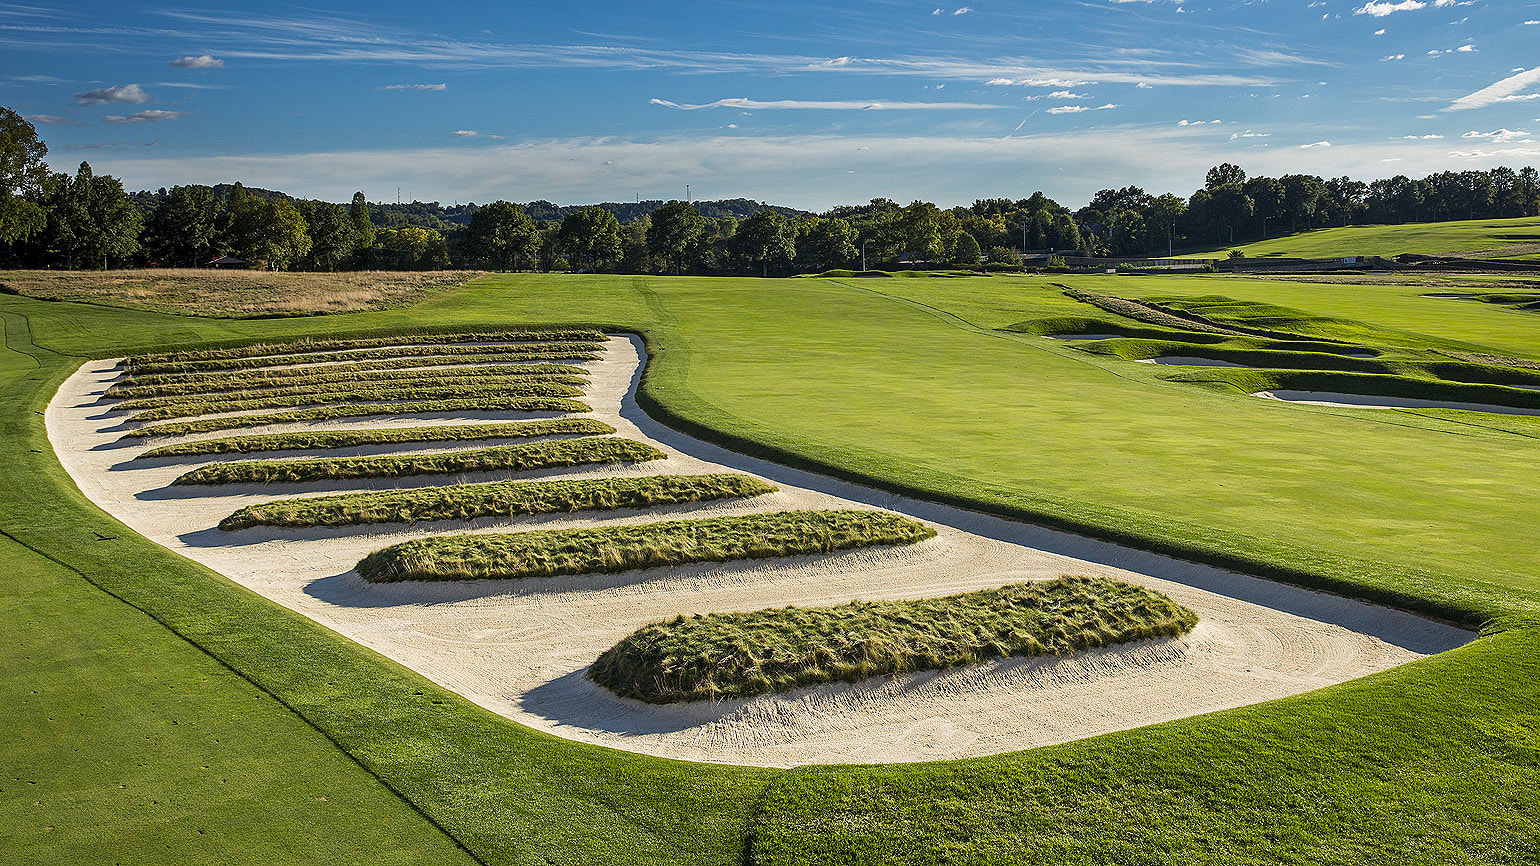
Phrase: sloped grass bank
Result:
[185,407]
[468,365]
[307,344]
[360,410]
[382,436]
[542,351]
[239,386]
[547,553]
[497,499]
[507,458]
[738,655]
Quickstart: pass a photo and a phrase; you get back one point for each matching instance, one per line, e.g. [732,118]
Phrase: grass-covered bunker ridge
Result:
[505,458]
[546,553]
[496,499]
[318,439]
[736,655]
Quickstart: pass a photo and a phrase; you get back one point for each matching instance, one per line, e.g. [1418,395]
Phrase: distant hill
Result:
[1485,238]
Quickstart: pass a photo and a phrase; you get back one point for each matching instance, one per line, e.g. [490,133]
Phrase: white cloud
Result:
[822,105]
[1499,136]
[1507,90]
[202,61]
[962,10]
[465,133]
[1381,8]
[1429,137]
[1315,144]
[1077,109]
[130,93]
[429,87]
[51,119]
[148,116]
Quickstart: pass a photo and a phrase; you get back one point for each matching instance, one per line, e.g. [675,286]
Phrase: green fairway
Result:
[1486,238]
[909,384]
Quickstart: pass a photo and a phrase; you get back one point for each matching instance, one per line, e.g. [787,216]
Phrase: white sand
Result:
[1368,401]
[521,648]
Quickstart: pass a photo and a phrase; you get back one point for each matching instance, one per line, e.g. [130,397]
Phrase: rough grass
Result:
[184,407]
[1495,360]
[383,436]
[435,364]
[542,335]
[237,294]
[498,499]
[288,381]
[540,351]
[506,458]
[738,655]
[546,553]
[356,410]
[1192,315]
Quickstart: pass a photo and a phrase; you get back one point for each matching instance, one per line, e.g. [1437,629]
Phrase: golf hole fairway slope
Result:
[524,648]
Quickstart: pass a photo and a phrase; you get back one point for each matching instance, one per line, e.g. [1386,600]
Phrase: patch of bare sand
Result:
[521,648]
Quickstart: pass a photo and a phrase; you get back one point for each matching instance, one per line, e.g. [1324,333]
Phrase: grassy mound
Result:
[186,407]
[544,335]
[457,366]
[239,384]
[498,499]
[735,655]
[356,410]
[382,436]
[545,553]
[512,458]
[541,351]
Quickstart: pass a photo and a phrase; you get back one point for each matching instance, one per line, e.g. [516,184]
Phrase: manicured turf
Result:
[162,408]
[358,410]
[736,655]
[506,458]
[242,387]
[1511,238]
[550,552]
[1431,762]
[382,436]
[428,339]
[539,351]
[497,499]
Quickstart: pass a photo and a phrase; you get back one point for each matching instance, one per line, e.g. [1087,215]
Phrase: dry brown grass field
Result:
[236,294]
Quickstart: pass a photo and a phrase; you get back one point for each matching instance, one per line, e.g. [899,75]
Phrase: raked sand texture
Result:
[521,648]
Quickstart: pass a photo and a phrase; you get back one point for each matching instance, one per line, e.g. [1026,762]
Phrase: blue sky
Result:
[806,104]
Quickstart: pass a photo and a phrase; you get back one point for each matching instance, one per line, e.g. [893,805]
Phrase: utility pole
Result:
[863,255]
[686,193]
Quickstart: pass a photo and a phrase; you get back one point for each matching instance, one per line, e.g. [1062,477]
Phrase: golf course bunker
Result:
[1369,401]
[522,648]
[1191,361]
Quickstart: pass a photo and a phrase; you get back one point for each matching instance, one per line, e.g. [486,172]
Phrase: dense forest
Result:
[87,220]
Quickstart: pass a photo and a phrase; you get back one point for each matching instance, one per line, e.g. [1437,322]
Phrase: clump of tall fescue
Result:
[509,458]
[546,553]
[541,351]
[312,344]
[186,407]
[497,499]
[356,410]
[458,366]
[268,384]
[737,655]
[383,436]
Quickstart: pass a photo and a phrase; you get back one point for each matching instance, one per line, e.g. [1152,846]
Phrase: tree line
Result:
[88,220]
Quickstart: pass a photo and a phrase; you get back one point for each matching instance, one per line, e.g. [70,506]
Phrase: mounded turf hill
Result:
[912,384]
[1502,238]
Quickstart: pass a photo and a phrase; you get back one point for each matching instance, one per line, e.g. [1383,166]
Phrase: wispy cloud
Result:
[1509,89]
[1079,109]
[426,87]
[823,105]
[148,116]
[51,119]
[130,93]
[202,61]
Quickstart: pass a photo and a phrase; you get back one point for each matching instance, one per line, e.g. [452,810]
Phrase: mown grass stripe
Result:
[184,407]
[358,410]
[497,499]
[544,351]
[546,553]
[737,655]
[321,345]
[511,458]
[383,436]
[387,371]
